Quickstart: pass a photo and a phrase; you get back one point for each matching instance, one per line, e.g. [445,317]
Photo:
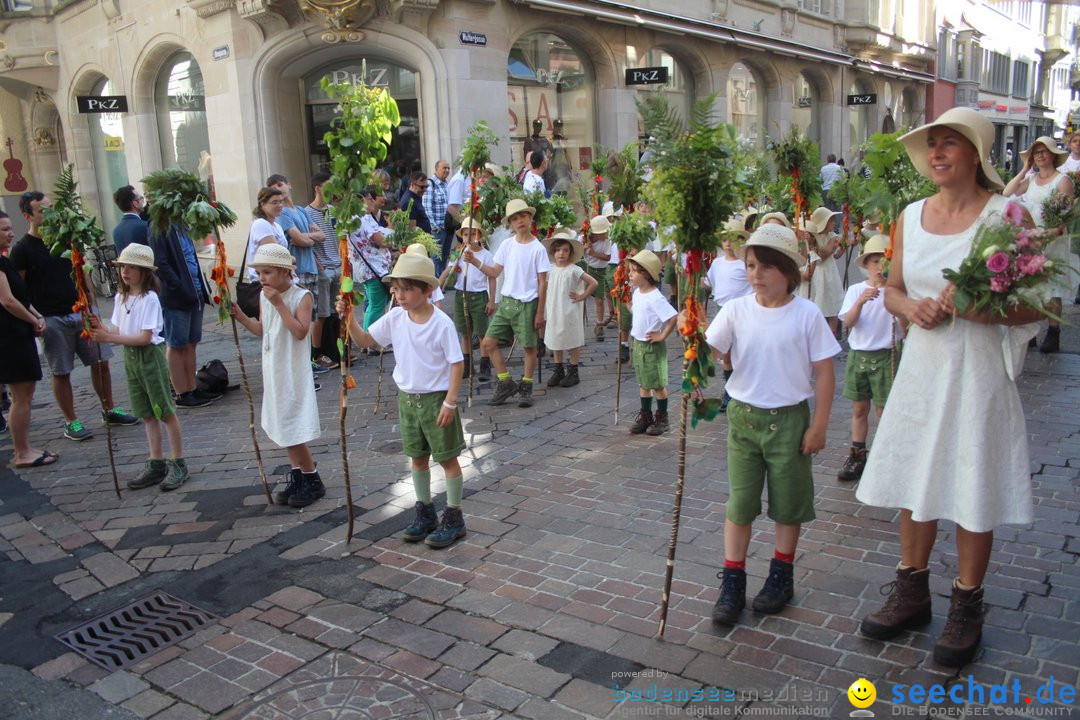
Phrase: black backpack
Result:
[213,377]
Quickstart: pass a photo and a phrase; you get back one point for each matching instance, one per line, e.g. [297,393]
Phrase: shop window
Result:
[180,101]
[551,92]
[110,163]
[806,108]
[678,90]
[746,107]
[858,119]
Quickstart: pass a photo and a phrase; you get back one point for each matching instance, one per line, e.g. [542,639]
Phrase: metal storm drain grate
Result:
[136,631]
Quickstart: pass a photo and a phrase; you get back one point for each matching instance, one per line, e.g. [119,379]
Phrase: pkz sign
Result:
[646,76]
[868,99]
[102,103]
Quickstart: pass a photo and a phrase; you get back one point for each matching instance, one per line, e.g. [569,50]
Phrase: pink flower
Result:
[1030,264]
[1000,284]
[998,262]
[1023,240]
[1014,214]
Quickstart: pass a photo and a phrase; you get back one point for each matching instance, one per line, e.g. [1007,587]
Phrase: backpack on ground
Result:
[213,377]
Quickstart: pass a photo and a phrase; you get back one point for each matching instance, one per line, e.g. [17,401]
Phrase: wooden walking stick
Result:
[468,327]
[347,380]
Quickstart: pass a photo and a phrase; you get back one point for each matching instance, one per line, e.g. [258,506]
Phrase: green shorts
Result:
[478,320]
[869,375]
[149,391]
[600,275]
[764,446]
[514,319]
[421,435]
[650,364]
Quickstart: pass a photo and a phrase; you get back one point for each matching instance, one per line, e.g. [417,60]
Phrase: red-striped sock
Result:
[734,564]
[788,558]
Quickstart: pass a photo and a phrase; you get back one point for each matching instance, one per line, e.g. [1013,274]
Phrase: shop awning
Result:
[682,25]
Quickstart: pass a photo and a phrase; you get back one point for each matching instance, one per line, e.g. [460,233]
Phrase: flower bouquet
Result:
[1006,268]
[1057,210]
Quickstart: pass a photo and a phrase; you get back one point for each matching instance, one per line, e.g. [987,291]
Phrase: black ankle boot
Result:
[732,598]
[557,375]
[483,374]
[571,378]
[778,590]
[1051,342]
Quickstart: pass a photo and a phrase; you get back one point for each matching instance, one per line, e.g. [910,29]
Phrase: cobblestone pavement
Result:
[547,609]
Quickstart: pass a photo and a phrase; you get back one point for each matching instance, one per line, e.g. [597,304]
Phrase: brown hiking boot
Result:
[908,605]
[660,424]
[642,422]
[854,466]
[504,389]
[963,629]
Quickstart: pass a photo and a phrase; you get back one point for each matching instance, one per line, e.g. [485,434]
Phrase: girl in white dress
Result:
[1039,179]
[290,415]
[568,286]
[951,444]
[826,287]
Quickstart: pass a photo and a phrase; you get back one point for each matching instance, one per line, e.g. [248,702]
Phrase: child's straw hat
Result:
[978,130]
[819,220]
[272,255]
[514,207]
[774,216]
[417,249]
[875,245]
[735,227]
[138,255]
[779,238]
[599,225]
[576,249]
[413,266]
[470,224]
[650,263]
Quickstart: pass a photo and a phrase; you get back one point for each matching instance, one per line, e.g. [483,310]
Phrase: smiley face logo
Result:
[862,693]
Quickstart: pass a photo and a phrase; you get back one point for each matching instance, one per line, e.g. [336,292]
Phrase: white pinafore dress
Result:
[1032,200]
[952,443]
[290,413]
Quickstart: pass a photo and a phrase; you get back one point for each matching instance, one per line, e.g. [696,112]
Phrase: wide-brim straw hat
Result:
[470,224]
[138,255]
[735,226]
[599,225]
[1060,155]
[272,255]
[411,266]
[577,251]
[514,207]
[875,245]
[819,219]
[650,263]
[492,168]
[774,216]
[779,238]
[978,130]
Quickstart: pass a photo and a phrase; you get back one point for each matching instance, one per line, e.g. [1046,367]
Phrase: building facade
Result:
[231,89]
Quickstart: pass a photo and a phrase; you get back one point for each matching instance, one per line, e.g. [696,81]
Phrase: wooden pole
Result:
[251,414]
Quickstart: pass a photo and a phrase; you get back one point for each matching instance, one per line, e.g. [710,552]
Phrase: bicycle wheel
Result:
[104,284]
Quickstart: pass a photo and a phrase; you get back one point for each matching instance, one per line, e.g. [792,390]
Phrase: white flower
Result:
[989,251]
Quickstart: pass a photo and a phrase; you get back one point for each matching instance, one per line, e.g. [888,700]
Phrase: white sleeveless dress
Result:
[290,413]
[1032,200]
[952,443]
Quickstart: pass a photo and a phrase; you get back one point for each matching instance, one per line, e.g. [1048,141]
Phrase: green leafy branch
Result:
[67,225]
[477,151]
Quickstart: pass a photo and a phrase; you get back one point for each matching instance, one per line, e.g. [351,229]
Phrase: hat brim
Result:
[818,229]
[431,280]
[480,230]
[134,264]
[530,210]
[796,257]
[577,250]
[915,144]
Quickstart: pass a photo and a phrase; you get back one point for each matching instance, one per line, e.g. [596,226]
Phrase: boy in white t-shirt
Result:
[479,296]
[870,362]
[524,264]
[427,371]
[653,321]
[727,280]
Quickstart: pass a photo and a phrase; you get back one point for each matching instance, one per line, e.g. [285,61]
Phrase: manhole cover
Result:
[361,697]
[136,631]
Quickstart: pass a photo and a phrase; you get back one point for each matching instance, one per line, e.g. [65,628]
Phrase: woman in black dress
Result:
[20,368]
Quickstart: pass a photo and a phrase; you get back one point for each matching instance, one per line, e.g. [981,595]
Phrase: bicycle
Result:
[103,275]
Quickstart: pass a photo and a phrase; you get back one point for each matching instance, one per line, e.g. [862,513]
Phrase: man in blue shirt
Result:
[131,228]
[418,185]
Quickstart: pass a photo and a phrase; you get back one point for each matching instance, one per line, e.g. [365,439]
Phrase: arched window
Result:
[180,101]
[908,116]
[110,164]
[858,120]
[551,91]
[806,108]
[745,102]
[679,89]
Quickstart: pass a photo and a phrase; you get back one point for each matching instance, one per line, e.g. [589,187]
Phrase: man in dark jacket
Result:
[131,227]
[183,294]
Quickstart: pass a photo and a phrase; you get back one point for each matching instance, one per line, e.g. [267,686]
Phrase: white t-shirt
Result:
[138,313]
[604,248]
[478,281]
[458,189]
[521,263]
[1071,164]
[533,183]
[614,254]
[650,310]
[873,329]
[422,353]
[728,280]
[771,349]
[259,229]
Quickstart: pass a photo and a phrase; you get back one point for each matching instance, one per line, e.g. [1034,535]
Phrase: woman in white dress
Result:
[951,444]
[1039,179]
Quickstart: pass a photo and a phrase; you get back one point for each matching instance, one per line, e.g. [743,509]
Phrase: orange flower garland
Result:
[219,275]
[82,303]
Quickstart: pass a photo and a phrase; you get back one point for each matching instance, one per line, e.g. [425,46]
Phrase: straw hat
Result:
[735,226]
[877,244]
[412,266]
[576,249]
[779,238]
[417,249]
[969,123]
[514,207]
[1060,155]
[819,220]
[492,168]
[649,262]
[599,225]
[272,255]
[470,224]
[608,210]
[775,216]
[138,255]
